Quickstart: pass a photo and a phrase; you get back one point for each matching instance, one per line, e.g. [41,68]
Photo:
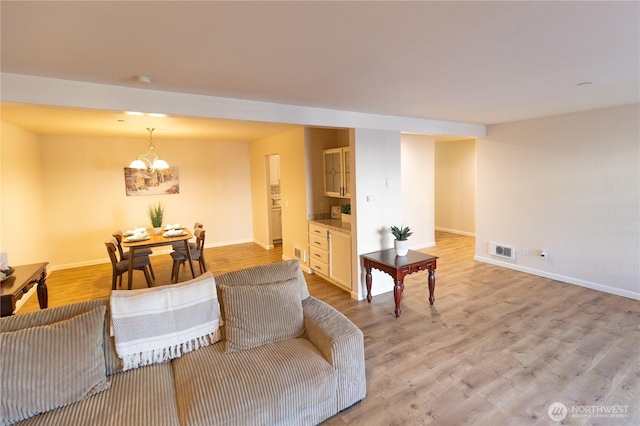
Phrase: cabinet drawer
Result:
[320,267]
[318,230]
[319,255]
[319,242]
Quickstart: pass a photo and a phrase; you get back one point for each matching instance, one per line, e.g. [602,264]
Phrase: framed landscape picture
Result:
[148,182]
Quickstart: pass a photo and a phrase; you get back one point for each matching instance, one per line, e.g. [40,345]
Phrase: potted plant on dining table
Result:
[156,213]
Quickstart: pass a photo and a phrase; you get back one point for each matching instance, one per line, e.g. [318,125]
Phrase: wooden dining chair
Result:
[180,257]
[124,255]
[179,245]
[140,263]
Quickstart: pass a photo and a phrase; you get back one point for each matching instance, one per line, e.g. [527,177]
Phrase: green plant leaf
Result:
[156,213]
[401,233]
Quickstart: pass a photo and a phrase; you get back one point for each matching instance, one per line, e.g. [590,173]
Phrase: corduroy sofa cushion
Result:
[140,397]
[259,314]
[264,274]
[50,366]
[59,313]
[265,385]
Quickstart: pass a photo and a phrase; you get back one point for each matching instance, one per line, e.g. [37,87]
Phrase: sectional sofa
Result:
[278,356]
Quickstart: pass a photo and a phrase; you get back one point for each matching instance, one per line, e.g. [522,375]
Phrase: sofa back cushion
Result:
[52,365]
[269,312]
[260,314]
[52,315]
[264,274]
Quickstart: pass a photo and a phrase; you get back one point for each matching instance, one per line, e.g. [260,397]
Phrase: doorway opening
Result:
[275,206]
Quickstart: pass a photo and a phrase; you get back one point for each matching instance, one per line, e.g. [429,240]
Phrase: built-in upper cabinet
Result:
[337,173]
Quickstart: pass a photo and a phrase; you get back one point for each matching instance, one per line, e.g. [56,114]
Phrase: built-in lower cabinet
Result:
[340,258]
[330,254]
[319,249]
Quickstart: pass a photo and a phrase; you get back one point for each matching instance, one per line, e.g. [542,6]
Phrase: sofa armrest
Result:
[342,344]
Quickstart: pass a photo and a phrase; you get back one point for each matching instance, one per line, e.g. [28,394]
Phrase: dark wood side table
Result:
[399,266]
[19,283]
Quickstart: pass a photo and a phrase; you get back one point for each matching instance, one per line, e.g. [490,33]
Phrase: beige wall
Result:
[418,189]
[293,186]
[25,213]
[80,184]
[568,184]
[455,186]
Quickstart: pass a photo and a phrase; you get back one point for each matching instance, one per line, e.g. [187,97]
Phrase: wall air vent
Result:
[300,254]
[502,251]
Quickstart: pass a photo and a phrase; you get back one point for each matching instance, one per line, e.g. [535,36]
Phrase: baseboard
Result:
[356,296]
[561,278]
[455,231]
[229,243]
[79,264]
[422,246]
[157,251]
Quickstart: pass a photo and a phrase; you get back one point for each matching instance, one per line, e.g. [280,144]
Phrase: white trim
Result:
[455,231]
[422,246]
[157,251]
[561,278]
[79,264]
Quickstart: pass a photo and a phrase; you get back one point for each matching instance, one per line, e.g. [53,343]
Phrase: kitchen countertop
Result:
[335,224]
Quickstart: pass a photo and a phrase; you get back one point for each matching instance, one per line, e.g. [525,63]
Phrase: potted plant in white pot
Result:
[401,244]
[156,213]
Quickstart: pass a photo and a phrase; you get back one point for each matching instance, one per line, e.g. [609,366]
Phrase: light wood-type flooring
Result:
[498,347]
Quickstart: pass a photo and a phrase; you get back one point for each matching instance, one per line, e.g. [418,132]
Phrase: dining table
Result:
[156,240]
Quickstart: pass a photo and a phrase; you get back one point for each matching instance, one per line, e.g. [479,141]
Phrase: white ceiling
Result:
[471,62]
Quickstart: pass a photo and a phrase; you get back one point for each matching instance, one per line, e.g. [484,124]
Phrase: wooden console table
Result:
[399,266]
[19,283]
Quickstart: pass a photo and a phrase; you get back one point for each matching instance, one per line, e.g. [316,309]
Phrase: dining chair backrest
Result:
[118,235]
[197,253]
[179,245]
[141,263]
[200,234]
[112,245]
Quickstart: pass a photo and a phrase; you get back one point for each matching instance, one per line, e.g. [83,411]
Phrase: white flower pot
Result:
[157,230]
[402,247]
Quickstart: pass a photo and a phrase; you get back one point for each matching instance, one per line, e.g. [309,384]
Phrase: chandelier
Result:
[142,162]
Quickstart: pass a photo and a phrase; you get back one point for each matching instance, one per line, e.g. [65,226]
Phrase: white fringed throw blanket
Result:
[158,324]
